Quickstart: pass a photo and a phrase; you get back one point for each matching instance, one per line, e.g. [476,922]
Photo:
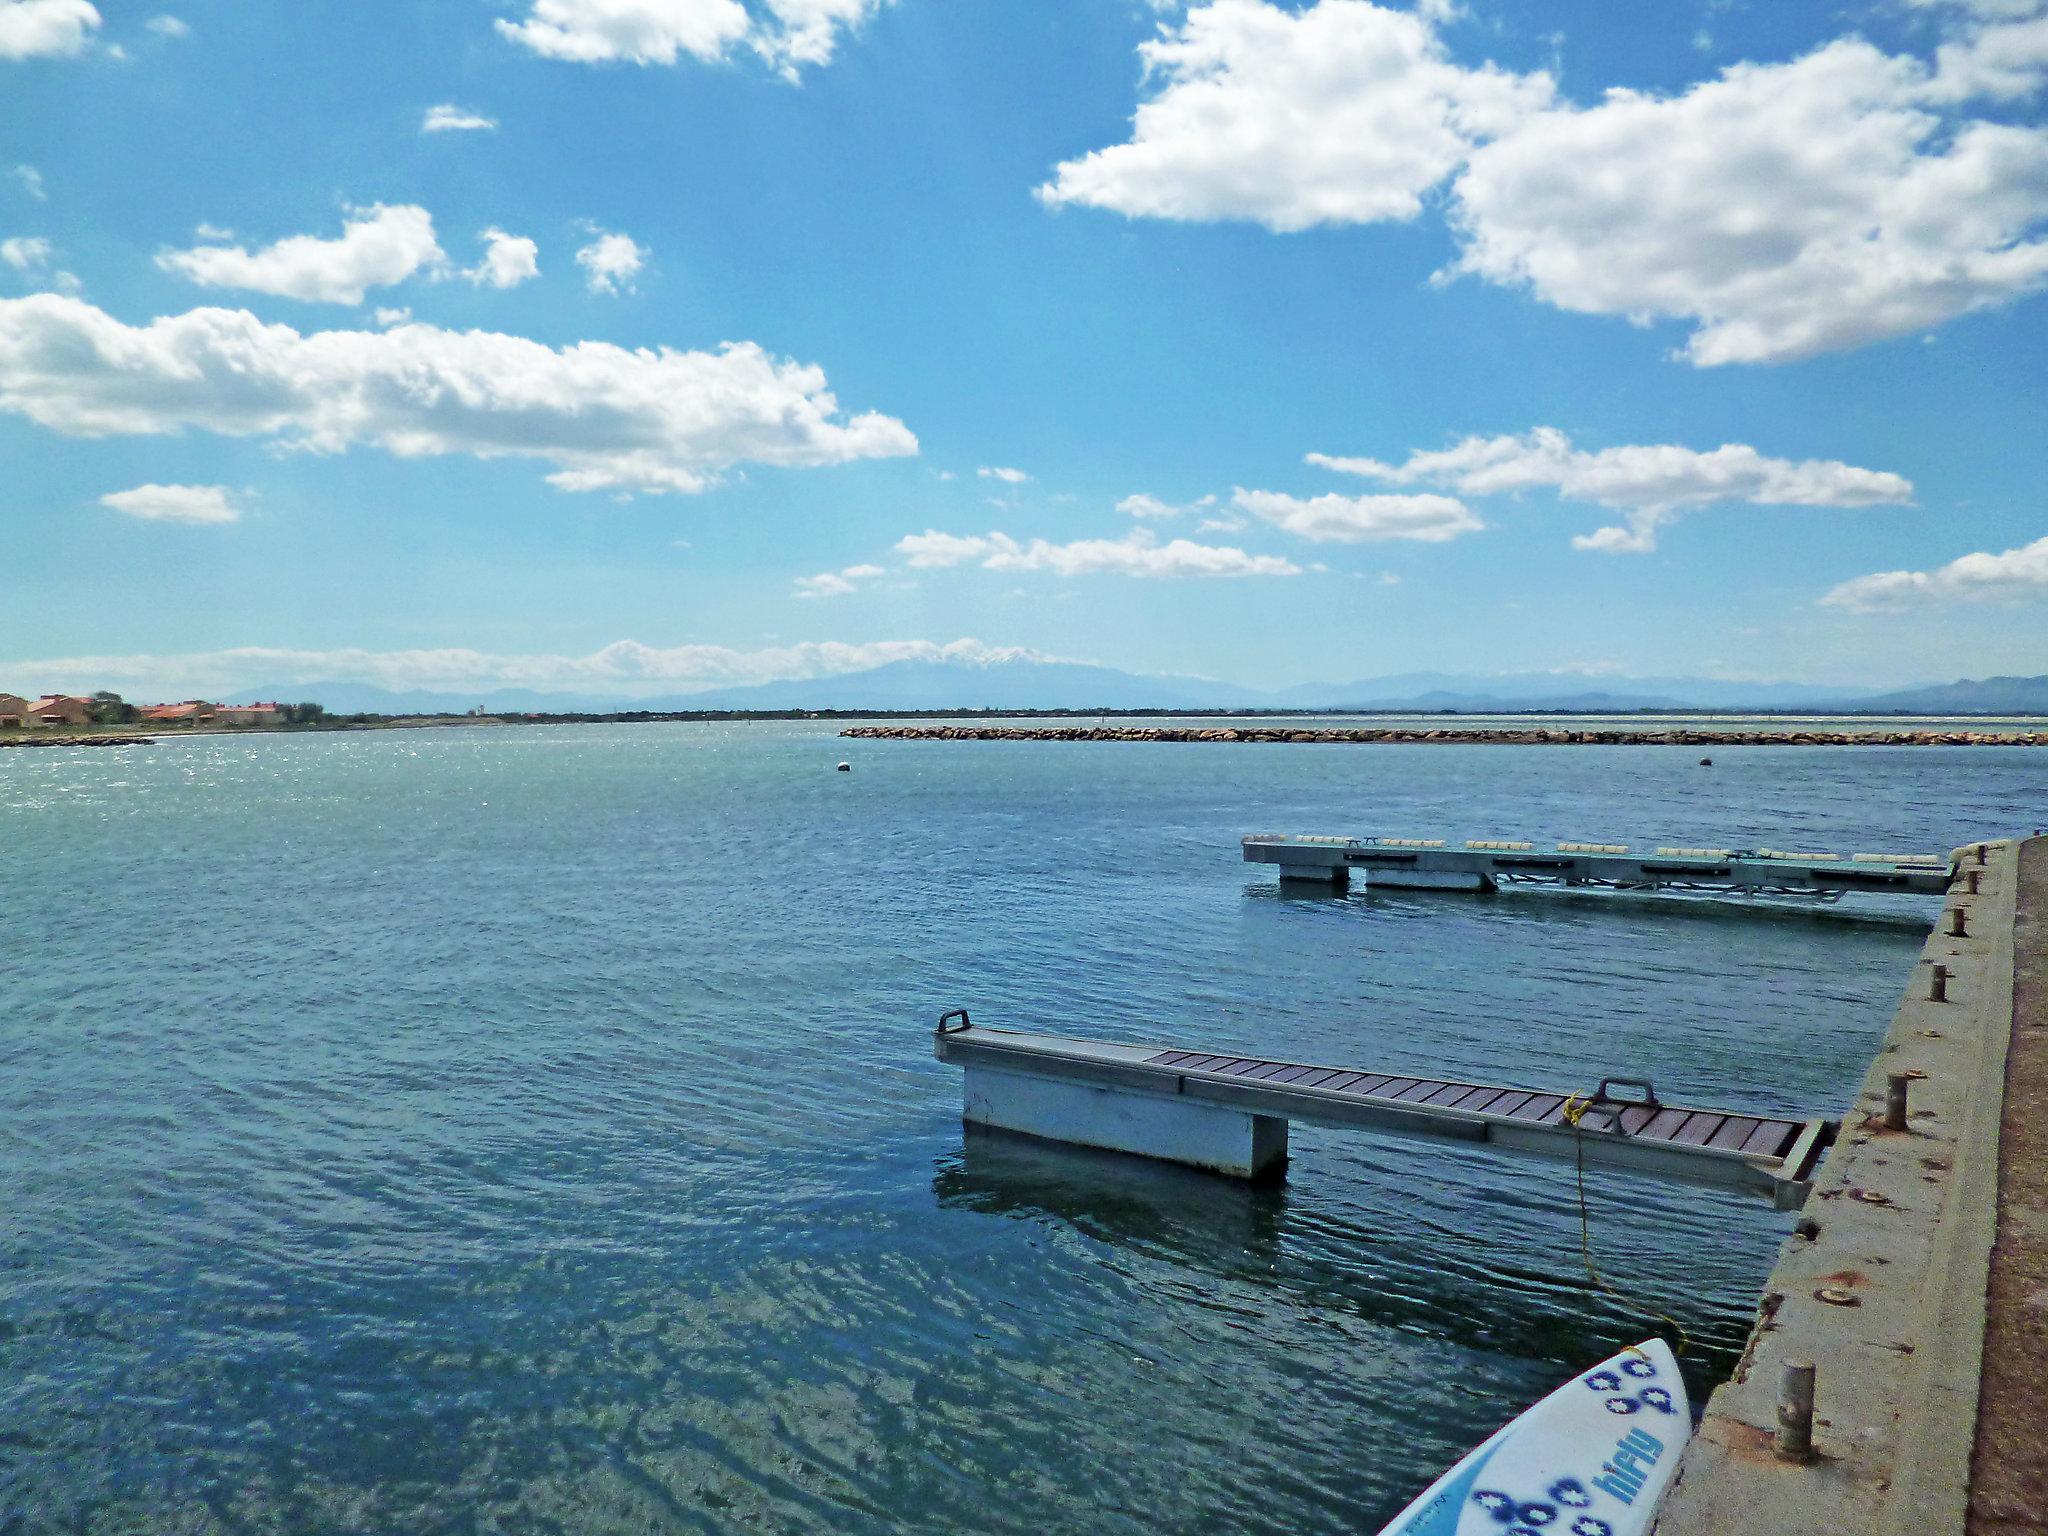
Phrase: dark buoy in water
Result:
[1706,762]
[845,768]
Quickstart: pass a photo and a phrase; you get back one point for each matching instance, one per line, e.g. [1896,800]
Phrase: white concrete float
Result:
[1331,863]
[1230,1114]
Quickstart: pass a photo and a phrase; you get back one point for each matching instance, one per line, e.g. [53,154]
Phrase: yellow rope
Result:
[1575,1107]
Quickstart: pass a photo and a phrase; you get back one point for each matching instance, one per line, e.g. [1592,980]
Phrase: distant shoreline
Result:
[1456,736]
[1624,727]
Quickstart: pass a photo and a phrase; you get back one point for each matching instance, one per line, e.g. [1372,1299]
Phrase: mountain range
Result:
[1023,684]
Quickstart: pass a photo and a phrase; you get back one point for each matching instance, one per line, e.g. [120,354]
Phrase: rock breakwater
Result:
[76,741]
[1530,736]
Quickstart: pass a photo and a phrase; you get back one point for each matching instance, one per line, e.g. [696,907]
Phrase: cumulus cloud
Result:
[1148,507]
[1138,553]
[604,417]
[1007,476]
[378,246]
[46,29]
[2002,60]
[509,260]
[1343,113]
[836,583]
[1652,483]
[449,118]
[1782,209]
[31,181]
[168,26]
[1779,210]
[2017,574]
[625,667]
[1333,519]
[176,503]
[611,262]
[26,253]
[788,34]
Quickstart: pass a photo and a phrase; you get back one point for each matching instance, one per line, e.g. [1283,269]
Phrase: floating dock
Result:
[1421,863]
[1230,1114]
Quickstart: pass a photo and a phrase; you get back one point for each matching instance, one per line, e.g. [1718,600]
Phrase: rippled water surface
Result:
[536,1129]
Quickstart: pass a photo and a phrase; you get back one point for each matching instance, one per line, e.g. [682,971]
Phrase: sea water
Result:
[535,1129]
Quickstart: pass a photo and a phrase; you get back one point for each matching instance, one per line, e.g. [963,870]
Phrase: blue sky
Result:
[1742,298]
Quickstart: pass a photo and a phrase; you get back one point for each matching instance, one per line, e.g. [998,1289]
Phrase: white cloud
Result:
[2014,575]
[786,33]
[46,29]
[378,246]
[1222,525]
[836,583]
[807,31]
[393,316]
[168,26]
[1652,483]
[1007,476]
[176,503]
[1138,553]
[1782,209]
[1333,519]
[605,417]
[26,253]
[449,118]
[31,181]
[2002,60]
[509,260]
[625,668]
[1343,113]
[934,550]
[611,262]
[1146,506]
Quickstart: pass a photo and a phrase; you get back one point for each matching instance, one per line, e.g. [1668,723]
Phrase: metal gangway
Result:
[1486,865]
[1229,1113]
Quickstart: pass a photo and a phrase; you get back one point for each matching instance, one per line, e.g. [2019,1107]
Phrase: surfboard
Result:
[1591,1459]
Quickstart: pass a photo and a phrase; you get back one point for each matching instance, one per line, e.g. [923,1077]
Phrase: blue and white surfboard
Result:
[1591,1459]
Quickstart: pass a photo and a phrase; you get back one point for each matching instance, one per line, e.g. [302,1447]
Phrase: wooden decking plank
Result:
[1637,1116]
[1392,1086]
[1735,1130]
[1771,1137]
[1293,1075]
[1421,1090]
[1471,1098]
[1702,1124]
[1664,1122]
[1448,1096]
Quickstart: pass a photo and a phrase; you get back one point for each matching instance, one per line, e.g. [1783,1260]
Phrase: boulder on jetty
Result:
[1532,736]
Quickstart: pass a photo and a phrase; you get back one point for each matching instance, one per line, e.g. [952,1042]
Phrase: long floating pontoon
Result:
[1420,863]
[1230,1114]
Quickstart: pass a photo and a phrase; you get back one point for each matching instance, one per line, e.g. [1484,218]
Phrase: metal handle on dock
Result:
[1647,1101]
[948,1017]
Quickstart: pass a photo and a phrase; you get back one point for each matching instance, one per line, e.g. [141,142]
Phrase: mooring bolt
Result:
[1795,1411]
[1937,984]
[1957,927]
[1895,1085]
[1983,853]
[1970,878]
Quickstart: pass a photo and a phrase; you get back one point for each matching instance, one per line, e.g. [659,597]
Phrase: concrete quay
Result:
[1530,736]
[1915,1283]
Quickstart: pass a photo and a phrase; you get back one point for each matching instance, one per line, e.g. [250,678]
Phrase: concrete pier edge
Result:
[1883,1284]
